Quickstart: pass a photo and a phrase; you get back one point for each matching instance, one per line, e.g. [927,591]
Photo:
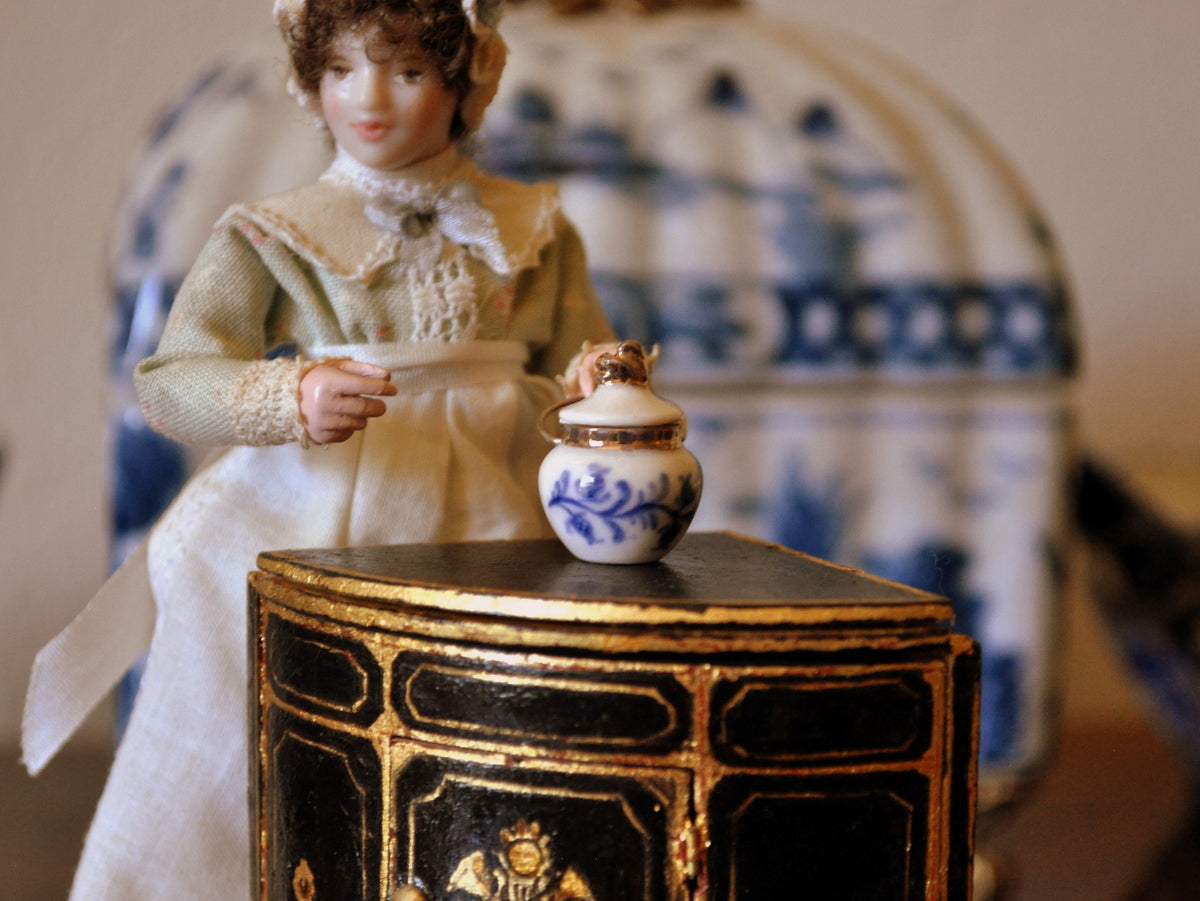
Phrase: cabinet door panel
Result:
[468,827]
[577,708]
[812,720]
[858,838]
[322,674]
[322,796]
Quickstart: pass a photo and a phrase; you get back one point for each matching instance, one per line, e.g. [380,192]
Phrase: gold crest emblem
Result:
[520,869]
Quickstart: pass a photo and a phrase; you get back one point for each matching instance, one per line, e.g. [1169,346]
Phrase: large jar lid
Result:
[621,405]
[623,396]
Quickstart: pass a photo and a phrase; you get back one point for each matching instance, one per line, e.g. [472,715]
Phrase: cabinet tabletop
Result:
[709,579]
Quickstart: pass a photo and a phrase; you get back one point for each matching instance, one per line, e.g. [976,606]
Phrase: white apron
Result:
[454,458]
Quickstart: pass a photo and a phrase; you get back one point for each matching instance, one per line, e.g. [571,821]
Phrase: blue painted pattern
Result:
[827,315]
[808,518]
[1003,328]
[601,509]
[942,568]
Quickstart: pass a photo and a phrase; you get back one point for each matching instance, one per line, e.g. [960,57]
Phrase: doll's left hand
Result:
[580,378]
[587,367]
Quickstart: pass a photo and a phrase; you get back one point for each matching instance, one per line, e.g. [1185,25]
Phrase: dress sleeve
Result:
[208,384]
[560,290]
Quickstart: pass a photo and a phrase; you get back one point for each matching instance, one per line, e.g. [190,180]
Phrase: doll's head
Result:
[466,53]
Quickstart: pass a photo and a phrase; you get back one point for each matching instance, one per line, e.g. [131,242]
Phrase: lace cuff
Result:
[264,403]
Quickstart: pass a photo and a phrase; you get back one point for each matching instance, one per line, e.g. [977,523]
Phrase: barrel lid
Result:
[619,405]
[709,580]
[623,396]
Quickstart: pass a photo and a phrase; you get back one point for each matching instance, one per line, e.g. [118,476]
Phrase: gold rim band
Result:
[657,437]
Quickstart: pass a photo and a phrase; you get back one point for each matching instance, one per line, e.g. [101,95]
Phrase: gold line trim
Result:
[578,687]
[829,611]
[284,598]
[364,679]
[803,687]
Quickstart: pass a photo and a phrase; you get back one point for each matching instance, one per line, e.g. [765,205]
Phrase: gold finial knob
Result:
[627,365]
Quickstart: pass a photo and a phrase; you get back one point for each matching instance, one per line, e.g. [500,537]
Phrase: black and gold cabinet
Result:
[500,721]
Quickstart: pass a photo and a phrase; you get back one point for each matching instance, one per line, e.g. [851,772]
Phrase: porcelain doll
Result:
[369,354]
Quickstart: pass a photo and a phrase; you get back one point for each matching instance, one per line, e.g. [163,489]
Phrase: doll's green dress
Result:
[473,291]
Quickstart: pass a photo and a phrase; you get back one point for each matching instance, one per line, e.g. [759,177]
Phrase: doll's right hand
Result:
[336,398]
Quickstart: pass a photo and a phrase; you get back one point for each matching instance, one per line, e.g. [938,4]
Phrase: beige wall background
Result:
[1095,101]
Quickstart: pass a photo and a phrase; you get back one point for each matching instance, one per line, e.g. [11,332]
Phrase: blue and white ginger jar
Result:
[619,486]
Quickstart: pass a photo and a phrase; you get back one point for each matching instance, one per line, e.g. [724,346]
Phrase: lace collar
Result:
[408,185]
[354,221]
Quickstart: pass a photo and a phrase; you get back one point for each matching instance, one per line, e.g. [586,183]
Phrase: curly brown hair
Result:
[438,28]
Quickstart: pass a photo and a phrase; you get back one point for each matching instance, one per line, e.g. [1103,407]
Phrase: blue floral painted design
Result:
[941,567]
[599,508]
[809,517]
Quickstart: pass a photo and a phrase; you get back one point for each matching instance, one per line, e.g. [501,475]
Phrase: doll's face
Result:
[387,110]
